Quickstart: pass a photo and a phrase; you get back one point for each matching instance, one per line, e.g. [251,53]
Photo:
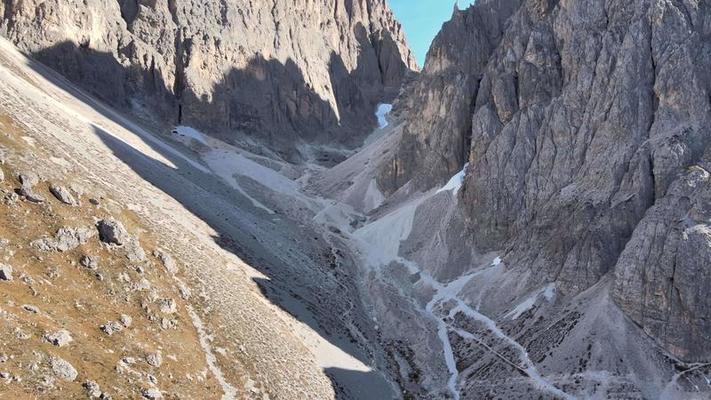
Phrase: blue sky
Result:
[422,19]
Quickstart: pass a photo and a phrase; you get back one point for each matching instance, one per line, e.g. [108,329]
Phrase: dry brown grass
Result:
[71,297]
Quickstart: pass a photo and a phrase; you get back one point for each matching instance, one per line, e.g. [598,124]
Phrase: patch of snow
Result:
[381,239]
[190,133]
[238,164]
[336,214]
[448,358]
[228,162]
[382,113]
[373,197]
[548,292]
[497,261]
[226,166]
[456,182]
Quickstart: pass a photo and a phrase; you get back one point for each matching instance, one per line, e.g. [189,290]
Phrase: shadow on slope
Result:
[267,100]
[299,281]
[243,233]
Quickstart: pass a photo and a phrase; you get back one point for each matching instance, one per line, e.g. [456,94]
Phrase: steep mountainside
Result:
[533,221]
[439,103]
[585,126]
[279,71]
[110,285]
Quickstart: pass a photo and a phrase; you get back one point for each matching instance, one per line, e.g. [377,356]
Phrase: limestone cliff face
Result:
[438,104]
[585,123]
[279,71]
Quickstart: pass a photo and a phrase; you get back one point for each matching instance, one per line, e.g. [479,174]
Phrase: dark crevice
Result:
[8,14]
[180,59]
[467,130]
[129,11]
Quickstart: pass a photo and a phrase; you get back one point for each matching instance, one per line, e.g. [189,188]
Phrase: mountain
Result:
[581,127]
[282,72]
[587,128]
[199,193]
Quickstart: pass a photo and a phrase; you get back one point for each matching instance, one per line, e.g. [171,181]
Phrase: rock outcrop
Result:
[583,118]
[438,105]
[282,72]
[663,275]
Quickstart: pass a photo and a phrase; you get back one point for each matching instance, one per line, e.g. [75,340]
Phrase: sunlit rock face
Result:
[281,72]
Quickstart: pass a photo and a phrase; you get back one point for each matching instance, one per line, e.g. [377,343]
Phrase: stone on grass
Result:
[126,320]
[111,327]
[90,262]
[168,306]
[30,308]
[167,260]
[112,232]
[154,359]
[28,181]
[63,194]
[63,369]
[66,239]
[151,394]
[93,390]
[5,272]
[60,338]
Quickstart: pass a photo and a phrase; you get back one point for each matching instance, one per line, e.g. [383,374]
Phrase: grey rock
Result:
[113,232]
[576,118]
[151,394]
[60,338]
[167,260]
[63,194]
[154,359]
[111,328]
[134,251]
[279,71]
[63,369]
[585,125]
[5,272]
[90,262]
[662,277]
[31,308]
[10,198]
[2,175]
[28,181]
[437,106]
[66,239]
[126,320]
[566,180]
[184,290]
[168,306]
[93,390]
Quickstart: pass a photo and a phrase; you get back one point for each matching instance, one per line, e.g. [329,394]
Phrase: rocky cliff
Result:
[282,72]
[585,125]
[439,103]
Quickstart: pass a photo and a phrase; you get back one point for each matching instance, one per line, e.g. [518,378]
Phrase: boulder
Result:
[5,272]
[63,369]
[60,338]
[63,194]
[111,328]
[112,232]
[66,239]
[151,394]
